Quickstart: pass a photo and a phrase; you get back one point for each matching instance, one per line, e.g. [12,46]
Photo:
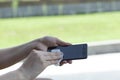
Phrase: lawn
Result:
[71,28]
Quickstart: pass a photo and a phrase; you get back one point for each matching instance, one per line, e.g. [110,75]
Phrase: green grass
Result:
[72,28]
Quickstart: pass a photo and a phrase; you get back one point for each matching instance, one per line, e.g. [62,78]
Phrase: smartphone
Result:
[72,52]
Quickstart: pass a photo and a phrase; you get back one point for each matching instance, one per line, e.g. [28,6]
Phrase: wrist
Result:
[34,43]
[28,74]
[23,74]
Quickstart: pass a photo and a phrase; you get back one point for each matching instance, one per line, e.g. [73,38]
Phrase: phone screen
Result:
[72,52]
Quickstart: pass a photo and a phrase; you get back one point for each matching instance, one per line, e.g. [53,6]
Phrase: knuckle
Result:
[33,52]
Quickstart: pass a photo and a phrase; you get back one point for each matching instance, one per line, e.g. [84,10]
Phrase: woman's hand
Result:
[46,42]
[37,61]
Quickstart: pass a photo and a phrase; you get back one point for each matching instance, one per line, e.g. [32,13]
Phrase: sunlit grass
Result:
[72,28]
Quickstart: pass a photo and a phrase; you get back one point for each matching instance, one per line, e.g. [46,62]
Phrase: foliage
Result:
[74,29]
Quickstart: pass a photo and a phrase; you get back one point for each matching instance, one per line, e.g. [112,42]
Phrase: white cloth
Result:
[58,50]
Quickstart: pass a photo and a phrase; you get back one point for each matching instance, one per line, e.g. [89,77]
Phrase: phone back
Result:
[72,52]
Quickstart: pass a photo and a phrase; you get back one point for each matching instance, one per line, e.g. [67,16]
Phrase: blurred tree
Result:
[15,3]
[15,6]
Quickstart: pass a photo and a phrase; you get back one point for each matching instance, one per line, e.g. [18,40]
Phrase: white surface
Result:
[100,67]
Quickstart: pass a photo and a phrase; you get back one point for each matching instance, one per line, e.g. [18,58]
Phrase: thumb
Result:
[41,47]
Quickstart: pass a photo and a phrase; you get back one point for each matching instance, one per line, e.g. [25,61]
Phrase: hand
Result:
[37,61]
[46,42]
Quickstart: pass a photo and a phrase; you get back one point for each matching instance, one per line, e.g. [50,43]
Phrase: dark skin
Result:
[13,55]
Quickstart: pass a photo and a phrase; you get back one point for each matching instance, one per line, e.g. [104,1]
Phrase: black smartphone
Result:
[72,52]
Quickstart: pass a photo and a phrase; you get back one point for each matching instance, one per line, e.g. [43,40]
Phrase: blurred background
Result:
[74,21]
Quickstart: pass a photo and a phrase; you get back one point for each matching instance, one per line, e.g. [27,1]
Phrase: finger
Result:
[69,61]
[48,56]
[53,56]
[43,79]
[41,47]
[62,43]
[63,62]
[47,62]
[52,62]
